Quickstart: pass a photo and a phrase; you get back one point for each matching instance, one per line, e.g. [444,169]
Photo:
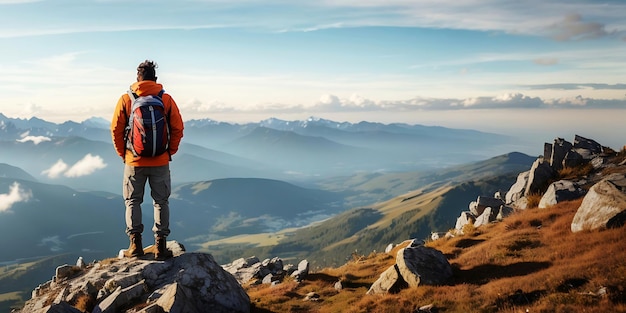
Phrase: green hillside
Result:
[432,202]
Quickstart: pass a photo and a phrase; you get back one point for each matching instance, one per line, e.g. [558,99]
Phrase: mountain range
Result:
[316,185]
[296,151]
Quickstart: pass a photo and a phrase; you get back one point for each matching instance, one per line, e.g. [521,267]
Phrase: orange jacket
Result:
[120,119]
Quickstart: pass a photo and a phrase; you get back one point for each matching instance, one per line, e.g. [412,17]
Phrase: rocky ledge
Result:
[188,282]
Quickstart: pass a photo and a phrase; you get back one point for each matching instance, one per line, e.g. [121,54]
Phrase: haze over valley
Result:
[229,179]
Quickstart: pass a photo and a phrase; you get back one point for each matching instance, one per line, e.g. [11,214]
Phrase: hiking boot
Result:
[135,248]
[162,252]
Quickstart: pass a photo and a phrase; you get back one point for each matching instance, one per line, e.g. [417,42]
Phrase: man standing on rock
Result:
[139,167]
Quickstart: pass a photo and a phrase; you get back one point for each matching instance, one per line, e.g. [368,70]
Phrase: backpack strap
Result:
[167,117]
[133,97]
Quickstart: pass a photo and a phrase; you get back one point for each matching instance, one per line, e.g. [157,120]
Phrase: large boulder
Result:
[604,206]
[423,265]
[390,281]
[415,265]
[518,189]
[188,282]
[540,173]
[562,190]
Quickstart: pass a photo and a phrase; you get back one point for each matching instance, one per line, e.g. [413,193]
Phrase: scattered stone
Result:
[80,263]
[436,235]
[429,308]
[302,272]
[338,285]
[312,296]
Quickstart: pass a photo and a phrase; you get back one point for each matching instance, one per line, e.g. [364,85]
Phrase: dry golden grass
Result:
[533,199]
[530,261]
[85,303]
[576,171]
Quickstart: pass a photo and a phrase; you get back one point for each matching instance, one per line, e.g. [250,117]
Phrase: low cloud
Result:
[86,166]
[16,194]
[56,170]
[572,27]
[213,106]
[509,100]
[357,103]
[35,139]
[577,101]
[578,86]
[54,243]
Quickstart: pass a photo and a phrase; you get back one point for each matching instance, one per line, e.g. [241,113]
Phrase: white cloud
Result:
[577,101]
[86,166]
[35,139]
[55,170]
[15,195]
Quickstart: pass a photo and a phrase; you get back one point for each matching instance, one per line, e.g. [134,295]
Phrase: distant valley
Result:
[229,179]
[283,187]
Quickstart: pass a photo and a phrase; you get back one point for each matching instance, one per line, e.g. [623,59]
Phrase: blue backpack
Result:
[147,132]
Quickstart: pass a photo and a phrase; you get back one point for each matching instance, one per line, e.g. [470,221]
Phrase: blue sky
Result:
[497,65]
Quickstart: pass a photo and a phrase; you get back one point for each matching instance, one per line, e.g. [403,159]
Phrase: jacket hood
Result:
[146,87]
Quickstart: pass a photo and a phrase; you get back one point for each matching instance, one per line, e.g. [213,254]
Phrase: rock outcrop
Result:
[557,155]
[603,207]
[267,271]
[188,282]
[483,211]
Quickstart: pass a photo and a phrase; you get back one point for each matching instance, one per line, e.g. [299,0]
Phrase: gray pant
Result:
[133,190]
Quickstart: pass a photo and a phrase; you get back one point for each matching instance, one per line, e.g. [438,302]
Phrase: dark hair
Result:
[146,70]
